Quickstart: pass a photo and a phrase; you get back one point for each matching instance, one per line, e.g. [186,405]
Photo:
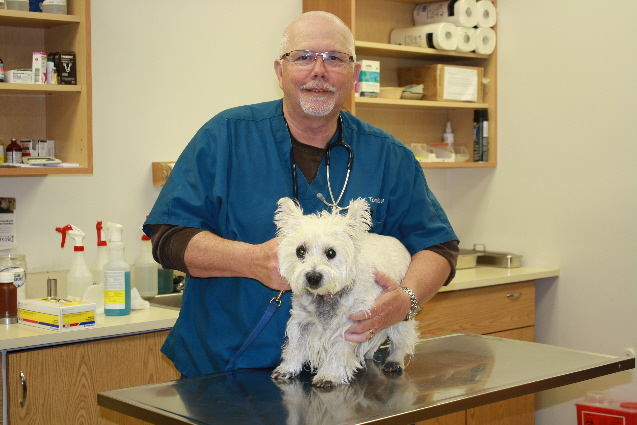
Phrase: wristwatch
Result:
[415,308]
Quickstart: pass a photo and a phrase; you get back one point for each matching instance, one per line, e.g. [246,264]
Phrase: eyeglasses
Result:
[308,57]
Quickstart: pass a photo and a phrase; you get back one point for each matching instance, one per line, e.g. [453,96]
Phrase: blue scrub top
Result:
[228,181]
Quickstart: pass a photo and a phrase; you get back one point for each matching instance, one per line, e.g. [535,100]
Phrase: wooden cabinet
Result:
[506,311]
[43,111]
[62,381]
[412,121]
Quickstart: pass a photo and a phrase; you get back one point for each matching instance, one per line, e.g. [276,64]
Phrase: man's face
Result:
[317,89]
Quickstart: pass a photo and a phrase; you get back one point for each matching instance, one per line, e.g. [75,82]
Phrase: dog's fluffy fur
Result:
[329,261]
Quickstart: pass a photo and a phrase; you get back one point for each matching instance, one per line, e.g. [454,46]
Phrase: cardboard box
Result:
[29,147]
[450,83]
[369,79]
[64,63]
[56,314]
[19,76]
[38,66]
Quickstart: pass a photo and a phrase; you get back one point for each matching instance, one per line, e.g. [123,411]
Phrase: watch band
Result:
[415,308]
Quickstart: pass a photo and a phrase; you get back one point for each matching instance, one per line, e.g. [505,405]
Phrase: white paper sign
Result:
[7,223]
[460,84]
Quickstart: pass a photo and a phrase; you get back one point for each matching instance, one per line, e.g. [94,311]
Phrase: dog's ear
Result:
[359,215]
[286,215]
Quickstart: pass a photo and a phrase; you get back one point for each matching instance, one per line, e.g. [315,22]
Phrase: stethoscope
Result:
[350,160]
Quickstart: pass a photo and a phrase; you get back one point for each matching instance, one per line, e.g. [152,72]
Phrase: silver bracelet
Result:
[415,308]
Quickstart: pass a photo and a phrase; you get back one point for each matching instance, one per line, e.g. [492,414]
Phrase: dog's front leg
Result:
[339,366]
[294,354]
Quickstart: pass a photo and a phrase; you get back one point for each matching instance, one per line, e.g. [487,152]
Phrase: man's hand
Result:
[266,265]
[391,307]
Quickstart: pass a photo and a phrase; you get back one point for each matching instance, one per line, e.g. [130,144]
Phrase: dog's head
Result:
[317,252]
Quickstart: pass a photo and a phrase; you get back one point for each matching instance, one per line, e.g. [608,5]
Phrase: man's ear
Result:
[278,70]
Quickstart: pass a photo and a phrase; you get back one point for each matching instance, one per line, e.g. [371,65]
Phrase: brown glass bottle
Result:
[14,153]
[8,299]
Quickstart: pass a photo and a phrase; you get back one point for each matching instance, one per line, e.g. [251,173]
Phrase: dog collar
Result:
[415,308]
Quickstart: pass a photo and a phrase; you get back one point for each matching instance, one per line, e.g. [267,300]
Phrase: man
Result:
[214,217]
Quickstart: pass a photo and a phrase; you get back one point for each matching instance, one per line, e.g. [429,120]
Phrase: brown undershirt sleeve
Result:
[169,244]
[450,251]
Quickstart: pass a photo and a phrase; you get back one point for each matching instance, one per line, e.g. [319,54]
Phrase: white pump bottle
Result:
[80,277]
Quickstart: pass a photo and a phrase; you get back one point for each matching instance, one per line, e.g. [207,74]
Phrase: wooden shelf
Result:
[418,104]
[16,18]
[370,48]
[21,172]
[35,89]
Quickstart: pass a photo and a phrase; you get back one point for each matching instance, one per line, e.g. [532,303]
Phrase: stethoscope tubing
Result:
[350,160]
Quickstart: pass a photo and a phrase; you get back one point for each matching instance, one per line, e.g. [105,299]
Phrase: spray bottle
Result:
[102,255]
[146,269]
[79,277]
[117,295]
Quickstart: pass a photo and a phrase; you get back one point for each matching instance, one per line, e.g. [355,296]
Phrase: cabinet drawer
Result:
[480,311]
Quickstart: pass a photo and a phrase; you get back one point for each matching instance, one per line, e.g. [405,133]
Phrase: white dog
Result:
[329,261]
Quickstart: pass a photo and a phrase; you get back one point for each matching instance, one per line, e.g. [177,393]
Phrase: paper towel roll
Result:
[443,36]
[485,41]
[463,13]
[487,16]
[466,39]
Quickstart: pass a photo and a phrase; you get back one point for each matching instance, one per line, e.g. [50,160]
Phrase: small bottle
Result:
[117,296]
[1,71]
[447,136]
[1,151]
[14,153]
[8,299]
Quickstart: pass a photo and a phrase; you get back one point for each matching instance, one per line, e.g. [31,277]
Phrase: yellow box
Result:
[450,83]
[56,314]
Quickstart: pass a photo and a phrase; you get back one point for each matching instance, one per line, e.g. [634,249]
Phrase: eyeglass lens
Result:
[308,57]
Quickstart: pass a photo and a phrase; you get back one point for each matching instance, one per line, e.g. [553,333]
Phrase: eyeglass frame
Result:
[352,58]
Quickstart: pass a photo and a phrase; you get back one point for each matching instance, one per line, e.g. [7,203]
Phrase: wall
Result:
[564,193]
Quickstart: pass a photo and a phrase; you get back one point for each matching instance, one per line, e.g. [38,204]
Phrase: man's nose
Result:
[319,69]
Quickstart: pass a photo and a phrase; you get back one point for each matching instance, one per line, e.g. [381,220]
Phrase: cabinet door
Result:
[63,381]
[519,410]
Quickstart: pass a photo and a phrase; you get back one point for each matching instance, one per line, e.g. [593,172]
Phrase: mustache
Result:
[318,85]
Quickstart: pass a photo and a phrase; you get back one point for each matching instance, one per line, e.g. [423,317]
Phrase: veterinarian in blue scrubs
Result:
[214,216]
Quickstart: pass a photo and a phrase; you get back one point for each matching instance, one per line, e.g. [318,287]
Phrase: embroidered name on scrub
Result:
[115,289]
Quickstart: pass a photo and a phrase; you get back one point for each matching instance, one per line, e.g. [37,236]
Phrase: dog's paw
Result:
[321,384]
[279,375]
[392,367]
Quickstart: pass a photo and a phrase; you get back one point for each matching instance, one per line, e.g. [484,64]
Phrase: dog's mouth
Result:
[328,298]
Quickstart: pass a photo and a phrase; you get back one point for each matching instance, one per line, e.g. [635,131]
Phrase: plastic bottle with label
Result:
[14,153]
[117,288]
[1,71]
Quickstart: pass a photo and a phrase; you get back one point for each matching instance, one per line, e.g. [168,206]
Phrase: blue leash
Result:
[274,304]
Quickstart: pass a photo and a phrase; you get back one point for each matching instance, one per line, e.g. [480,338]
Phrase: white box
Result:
[369,79]
[56,314]
[29,147]
[39,68]
[21,76]
[50,147]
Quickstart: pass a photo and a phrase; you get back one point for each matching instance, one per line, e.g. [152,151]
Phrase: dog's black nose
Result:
[313,279]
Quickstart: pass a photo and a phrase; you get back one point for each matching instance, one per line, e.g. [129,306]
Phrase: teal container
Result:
[164,281]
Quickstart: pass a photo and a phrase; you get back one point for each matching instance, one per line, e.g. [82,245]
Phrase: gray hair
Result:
[284,45]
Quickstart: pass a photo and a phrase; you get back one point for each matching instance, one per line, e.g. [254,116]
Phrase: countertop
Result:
[18,336]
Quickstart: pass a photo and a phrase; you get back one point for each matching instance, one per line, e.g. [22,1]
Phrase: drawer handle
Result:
[24,389]
[516,295]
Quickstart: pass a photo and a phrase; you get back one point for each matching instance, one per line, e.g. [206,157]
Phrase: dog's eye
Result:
[300,252]
[330,253]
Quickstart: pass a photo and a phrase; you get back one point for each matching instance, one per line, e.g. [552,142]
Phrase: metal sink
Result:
[171,301]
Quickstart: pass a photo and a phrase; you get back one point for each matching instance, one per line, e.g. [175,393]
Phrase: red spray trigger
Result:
[63,230]
[99,228]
